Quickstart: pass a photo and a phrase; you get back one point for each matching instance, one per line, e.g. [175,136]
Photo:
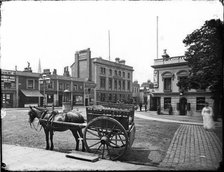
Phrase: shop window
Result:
[167,102]
[200,103]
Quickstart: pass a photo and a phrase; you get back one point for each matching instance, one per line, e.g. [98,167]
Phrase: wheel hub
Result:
[104,140]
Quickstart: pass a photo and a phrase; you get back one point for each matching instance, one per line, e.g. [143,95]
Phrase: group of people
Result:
[207,115]
[140,106]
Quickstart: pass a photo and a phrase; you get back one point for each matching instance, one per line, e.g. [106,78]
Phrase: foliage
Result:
[204,57]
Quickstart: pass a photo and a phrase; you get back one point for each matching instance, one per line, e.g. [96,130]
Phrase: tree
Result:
[204,56]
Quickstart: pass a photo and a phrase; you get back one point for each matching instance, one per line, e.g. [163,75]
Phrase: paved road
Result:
[192,148]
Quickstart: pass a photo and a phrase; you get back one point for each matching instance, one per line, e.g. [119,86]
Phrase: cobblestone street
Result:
[193,147]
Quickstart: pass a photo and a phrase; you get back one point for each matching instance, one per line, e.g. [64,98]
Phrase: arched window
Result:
[167,81]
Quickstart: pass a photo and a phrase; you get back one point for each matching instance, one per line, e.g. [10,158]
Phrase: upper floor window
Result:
[75,87]
[110,83]
[115,84]
[102,82]
[123,74]
[119,73]
[129,85]
[60,86]
[67,86]
[50,85]
[167,78]
[110,72]
[115,72]
[103,70]
[30,84]
[129,75]
[167,84]
[123,85]
[119,84]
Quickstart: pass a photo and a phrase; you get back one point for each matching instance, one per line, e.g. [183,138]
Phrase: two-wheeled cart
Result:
[109,131]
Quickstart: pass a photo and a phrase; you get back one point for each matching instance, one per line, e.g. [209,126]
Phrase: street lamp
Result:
[44,80]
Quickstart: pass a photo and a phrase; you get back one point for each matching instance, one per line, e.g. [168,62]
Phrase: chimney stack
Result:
[117,59]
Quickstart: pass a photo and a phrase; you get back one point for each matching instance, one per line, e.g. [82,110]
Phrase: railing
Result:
[169,60]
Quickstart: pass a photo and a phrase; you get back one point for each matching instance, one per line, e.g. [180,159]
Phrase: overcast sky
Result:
[53,31]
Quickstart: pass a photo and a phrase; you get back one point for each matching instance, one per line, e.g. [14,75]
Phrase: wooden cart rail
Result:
[124,116]
[61,124]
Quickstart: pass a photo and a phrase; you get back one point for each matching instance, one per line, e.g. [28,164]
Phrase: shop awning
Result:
[32,93]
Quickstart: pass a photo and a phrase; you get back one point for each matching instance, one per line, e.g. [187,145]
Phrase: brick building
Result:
[113,79]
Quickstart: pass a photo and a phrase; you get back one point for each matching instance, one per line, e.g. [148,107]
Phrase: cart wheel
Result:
[106,137]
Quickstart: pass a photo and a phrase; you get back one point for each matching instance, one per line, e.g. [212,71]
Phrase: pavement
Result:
[192,148]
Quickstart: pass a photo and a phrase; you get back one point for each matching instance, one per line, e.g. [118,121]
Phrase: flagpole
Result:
[109,42]
[157,40]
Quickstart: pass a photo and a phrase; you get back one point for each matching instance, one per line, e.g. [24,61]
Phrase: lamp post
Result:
[44,80]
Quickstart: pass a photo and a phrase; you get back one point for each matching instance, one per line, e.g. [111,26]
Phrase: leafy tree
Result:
[204,56]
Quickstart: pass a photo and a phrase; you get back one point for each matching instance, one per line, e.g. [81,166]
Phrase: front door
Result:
[183,106]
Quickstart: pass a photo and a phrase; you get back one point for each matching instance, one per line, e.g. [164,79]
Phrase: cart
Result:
[109,131]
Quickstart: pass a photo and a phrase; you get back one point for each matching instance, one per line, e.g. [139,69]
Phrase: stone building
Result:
[167,72]
[113,79]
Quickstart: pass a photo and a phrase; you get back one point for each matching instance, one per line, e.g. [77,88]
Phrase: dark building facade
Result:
[113,79]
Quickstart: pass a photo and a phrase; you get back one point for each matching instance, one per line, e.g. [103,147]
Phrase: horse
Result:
[51,116]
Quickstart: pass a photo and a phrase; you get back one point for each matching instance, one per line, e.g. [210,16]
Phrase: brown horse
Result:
[43,113]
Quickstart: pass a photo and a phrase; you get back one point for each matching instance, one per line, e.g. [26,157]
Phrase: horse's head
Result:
[33,113]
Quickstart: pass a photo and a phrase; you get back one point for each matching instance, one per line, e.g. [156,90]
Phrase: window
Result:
[110,83]
[80,87]
[167,102]
[67,86]
[128,75]
[115,72]
[123,74]
[167,84]
[110,72]
[75,87]
[103,70]
[119,73]
[200,102]
[102,97]
[123,85]
[115,84]
[119,84]
[50,85]
[181,79]
[60,86]
[110,97]
[129,86]
[30,84]
[102,82]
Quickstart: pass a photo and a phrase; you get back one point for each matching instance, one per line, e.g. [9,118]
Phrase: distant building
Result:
[24,88]
[136,92]
[113,79]
[167,72]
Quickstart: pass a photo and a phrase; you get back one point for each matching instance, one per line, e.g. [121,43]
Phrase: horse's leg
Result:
[74,132]
[51,138]
[81,135]
[47,137]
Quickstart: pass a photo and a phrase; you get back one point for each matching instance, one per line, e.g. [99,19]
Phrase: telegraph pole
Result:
[109,42]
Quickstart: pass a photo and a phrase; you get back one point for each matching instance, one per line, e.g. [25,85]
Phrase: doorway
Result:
[183,106]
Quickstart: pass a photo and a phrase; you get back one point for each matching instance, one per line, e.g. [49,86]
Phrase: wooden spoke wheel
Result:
[106,137]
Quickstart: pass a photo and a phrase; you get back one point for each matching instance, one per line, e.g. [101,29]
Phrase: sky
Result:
[53,31]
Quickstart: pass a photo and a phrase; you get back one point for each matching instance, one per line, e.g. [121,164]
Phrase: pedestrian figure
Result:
[158,110]
[170,110]
[145,107]
[140,106]
[207,114]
